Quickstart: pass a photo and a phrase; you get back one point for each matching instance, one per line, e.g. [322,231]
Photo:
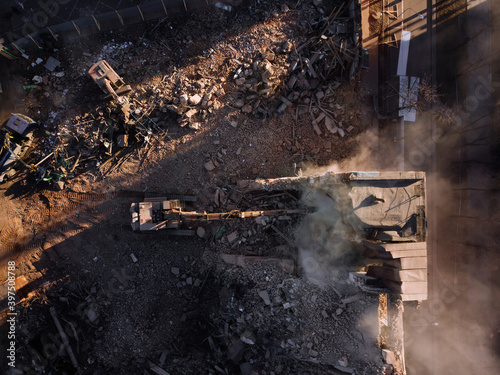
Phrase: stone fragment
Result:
[343,361]
[201,232]
[232,237]
[246,368]
[191,113]
[183,99]
[195,125]
[209,165]
[265,296]
[195,99]
[235,351]
[248,338]
[389,356]
[175,271]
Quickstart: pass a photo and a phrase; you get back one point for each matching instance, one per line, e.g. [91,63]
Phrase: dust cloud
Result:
[457,330]
[323,238]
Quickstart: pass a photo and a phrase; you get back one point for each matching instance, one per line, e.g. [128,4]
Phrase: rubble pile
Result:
[214,96]
[271,322]
[299,67]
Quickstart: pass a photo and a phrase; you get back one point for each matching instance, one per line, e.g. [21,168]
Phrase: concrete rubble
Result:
[243,290]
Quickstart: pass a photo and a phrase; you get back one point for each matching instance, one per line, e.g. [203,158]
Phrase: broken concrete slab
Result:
[52,63]
[209,165]
[248,337]
[397,275]
[191,113]
[407,263]
[232,237]
[235,351]
[351,299]
[246,368]
[201,232]
[414,297]
[195,125]
[406,287]
[195,99]
[265,296]
[389,357]
[91,313]
[157,369]
[163,357]
[313,353]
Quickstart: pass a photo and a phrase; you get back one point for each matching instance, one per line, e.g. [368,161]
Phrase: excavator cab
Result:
[108,80]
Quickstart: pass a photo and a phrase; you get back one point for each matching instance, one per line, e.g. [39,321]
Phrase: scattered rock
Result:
[246,368]
[265,296]
[231,238]
[175,271]
[343,361]
[195,99]
[209,165]
[235,351]
[92,313]
[247,109]
[195,125]
[183,99]
[191,113]
[261,220]
[201,232]
[248,337]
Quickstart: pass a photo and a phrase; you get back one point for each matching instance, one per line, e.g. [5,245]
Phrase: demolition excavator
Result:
[160,213]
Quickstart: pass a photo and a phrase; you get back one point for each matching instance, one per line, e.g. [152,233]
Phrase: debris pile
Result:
[262,72]
[193,101]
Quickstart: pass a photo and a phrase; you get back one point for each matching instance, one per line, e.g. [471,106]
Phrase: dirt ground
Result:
[179,306]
